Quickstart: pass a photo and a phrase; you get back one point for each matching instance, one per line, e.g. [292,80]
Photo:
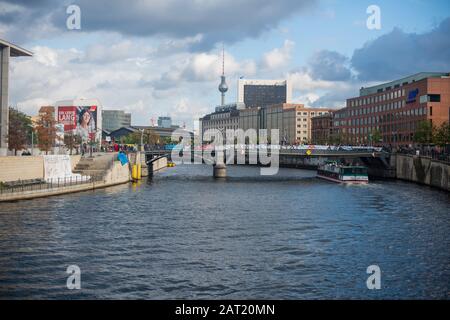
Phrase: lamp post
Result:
[142,140]
[32,138]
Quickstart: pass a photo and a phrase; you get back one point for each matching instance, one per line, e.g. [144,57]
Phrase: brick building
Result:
[322,129]
[394,110]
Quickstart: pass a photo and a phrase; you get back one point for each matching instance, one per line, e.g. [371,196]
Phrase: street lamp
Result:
[32,138]
[142,140]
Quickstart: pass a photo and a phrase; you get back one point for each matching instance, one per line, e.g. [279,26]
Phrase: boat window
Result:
[356,170]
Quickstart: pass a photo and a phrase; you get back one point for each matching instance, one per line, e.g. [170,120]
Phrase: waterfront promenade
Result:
[100,171]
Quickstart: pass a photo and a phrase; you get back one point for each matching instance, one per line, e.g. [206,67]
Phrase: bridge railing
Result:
[435,154]
[294,150]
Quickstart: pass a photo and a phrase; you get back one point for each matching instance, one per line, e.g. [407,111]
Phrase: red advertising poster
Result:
[80,120]
[68,117]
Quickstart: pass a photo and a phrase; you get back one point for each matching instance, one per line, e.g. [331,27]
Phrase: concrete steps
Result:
[97,166]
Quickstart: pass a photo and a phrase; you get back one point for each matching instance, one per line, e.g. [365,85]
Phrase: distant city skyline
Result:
[144,60]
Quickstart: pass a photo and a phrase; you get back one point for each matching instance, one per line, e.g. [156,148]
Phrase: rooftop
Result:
[400,82]
[16,51]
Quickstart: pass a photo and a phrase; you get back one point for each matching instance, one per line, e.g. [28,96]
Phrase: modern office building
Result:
[223,118]
[115,119]
[322,128]
[293,121]
[251,118]
[262,93]
[165,122]
[395,109]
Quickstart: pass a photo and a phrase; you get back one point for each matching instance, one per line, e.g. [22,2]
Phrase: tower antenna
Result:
[223,85]
[223,59]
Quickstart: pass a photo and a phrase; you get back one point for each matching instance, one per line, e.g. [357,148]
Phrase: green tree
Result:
[336,138]
[442,135]
[376,137]
[166,140]
[132,138]
[424,133]
[72,141]
[19,130]
[151,137]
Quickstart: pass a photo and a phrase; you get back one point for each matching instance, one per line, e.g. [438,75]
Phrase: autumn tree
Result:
[19,130]
[46,131]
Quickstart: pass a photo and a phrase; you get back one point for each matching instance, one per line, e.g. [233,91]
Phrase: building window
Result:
[434,97]
[431,111]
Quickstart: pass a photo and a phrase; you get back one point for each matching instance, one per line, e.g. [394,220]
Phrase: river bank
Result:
[105,171]
[25,176]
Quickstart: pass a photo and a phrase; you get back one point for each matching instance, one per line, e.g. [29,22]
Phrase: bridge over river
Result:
[377,161]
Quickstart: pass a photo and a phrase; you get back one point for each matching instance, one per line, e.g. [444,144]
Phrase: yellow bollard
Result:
[139,171]
[134,172]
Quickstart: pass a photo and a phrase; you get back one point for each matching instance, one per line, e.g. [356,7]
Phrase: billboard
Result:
[67,116]
[79,120]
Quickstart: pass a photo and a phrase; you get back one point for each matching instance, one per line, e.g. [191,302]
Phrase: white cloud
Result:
[308,99]
[128,83]
[203,67]
[303,81]
[46,56]
[182,85]
[320,93]
[278,57]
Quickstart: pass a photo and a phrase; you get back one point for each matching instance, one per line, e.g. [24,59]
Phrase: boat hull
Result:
[337,180]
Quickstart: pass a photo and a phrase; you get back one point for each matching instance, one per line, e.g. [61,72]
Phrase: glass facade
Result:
[115,119]
[264,95]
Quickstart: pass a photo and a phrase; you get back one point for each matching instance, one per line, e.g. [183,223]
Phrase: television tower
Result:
[223,85]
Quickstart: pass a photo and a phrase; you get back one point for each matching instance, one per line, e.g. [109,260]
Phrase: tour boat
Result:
[335,172]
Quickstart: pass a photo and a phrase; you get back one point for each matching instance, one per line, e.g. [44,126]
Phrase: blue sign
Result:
[122,158]
[169,146]
[412,95]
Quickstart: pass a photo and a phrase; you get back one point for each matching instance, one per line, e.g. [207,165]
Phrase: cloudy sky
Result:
[162,57]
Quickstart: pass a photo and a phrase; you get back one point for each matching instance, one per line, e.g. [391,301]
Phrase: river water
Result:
[183,234]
